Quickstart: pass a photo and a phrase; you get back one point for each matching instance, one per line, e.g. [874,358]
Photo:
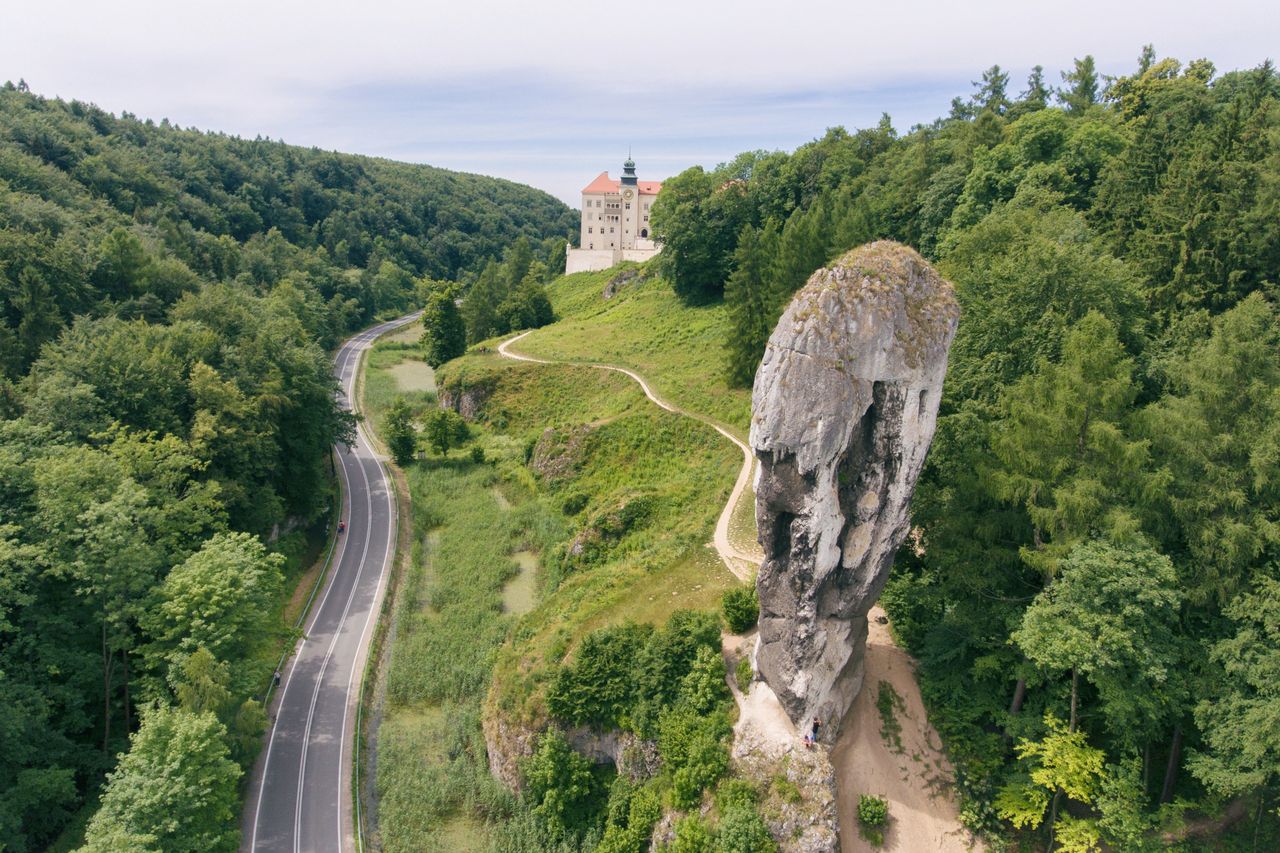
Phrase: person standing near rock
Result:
[813,734]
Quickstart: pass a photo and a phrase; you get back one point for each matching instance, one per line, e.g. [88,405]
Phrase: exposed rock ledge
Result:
[843,412]
[797,782]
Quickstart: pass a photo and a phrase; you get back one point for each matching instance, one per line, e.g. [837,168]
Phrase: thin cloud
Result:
[549,94]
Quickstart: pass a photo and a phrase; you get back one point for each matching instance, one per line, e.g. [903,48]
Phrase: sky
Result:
[550,93]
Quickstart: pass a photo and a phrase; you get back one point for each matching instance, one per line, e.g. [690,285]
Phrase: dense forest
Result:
[1094,596]
[167,300]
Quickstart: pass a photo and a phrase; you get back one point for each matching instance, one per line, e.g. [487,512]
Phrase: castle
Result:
[615,222]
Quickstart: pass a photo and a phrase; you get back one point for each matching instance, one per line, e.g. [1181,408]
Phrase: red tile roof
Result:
[604,184]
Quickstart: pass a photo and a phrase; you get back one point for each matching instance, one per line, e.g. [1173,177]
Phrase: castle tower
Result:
[630,213]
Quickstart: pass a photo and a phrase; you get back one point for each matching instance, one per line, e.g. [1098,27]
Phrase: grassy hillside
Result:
[678,348]
[615,498]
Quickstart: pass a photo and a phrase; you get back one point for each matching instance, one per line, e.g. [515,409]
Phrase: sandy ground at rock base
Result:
[917,783]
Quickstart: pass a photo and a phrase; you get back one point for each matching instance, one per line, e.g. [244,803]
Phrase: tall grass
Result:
[380,386]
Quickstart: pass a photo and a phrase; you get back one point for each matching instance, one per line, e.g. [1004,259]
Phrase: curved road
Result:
[300,793]
[737,561]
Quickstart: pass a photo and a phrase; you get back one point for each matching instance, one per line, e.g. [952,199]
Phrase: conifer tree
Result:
[1063,447]
[1216,439]
[1081,90]
[1036,96]
[992,91]
[1241,715]
[748,302]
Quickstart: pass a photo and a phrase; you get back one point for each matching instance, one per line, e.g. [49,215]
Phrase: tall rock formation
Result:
[842,414]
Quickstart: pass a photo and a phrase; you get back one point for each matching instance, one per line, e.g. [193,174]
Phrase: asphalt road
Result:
[300,794]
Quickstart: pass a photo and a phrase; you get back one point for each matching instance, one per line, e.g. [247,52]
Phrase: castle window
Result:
[628,205]
[610,229]
[588,229]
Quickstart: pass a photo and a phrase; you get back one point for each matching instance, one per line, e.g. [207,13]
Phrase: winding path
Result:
[740,563]
[300,792]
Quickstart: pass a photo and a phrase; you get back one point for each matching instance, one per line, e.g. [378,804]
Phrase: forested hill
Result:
[198,206]
[167,404]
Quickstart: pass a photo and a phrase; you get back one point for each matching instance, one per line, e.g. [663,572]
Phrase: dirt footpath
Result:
[916,782]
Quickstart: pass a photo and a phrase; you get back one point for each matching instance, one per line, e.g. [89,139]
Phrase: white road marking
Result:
[347,370]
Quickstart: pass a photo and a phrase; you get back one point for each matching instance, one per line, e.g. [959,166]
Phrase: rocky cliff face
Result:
[843,411]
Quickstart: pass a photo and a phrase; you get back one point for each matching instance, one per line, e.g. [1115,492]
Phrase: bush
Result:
[703,689]
[733,793]
[873,812]
[693,748]
[663,662]
[477,454]
[598,687]
[692,836]
[560,784]
[631,815]
[741,607]
[742,830]
[573,503]
[744,673]
[786,790]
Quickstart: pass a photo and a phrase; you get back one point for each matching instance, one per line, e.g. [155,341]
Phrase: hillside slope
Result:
[106,214]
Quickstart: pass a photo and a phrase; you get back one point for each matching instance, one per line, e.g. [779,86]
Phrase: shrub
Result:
[665,659]
[733,793]
[477,454]
[703,688]
[741,607]
[598,687]
[573,503]
[630,824]
[873,812]
[742,830]
[620,794]
[693,748]
[744,673]
[786,790]
[646,809]
[692,836]
[560,785]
